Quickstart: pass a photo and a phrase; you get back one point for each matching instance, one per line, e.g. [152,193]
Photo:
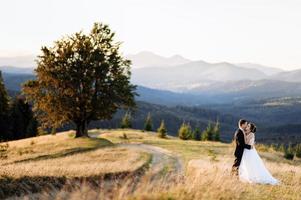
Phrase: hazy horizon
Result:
[253,31]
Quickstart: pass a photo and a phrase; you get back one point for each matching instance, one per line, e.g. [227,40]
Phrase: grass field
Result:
[58,158]
[205,175]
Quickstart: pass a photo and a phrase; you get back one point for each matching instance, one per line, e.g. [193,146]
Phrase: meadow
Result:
[171,168]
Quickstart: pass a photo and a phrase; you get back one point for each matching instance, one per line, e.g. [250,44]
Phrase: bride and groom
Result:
[248,165]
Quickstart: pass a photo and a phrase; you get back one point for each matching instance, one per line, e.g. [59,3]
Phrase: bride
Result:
[251,168]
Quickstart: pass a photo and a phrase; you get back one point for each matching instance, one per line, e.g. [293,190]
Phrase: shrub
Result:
[289,153]
[126,121]
[281,148]
[162,130]
[184,132]
[298,150]
[216,132]
[208,134]
[273,147]
[148,126]
[196,135]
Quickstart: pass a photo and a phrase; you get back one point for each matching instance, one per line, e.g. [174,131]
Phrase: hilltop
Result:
[142,166]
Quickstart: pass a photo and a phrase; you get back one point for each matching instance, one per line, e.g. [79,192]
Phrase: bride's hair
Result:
[253,127]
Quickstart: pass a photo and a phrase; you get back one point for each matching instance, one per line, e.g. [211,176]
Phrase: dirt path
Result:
[162,159]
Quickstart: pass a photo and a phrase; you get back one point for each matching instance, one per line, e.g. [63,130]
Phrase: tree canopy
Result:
[82,77]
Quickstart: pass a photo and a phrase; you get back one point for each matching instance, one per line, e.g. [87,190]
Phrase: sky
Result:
[258,31]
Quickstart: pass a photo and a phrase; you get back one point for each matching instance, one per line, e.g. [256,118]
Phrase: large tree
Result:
[82,77]
[23,124]
[4,108]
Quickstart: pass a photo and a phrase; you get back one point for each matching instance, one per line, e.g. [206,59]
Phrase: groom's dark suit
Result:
[240,146]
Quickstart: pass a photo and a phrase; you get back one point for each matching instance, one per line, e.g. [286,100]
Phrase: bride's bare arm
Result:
[252,139]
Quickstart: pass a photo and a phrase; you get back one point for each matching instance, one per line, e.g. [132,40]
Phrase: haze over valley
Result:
[261,93]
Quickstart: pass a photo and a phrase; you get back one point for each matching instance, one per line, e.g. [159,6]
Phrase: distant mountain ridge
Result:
[267,70]
[26,61]
[195,82]
[149,59]
[17,70]
[190,75]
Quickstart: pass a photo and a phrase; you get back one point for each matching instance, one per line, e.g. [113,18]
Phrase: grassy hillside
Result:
[173,118]
[178,169]
[34,164]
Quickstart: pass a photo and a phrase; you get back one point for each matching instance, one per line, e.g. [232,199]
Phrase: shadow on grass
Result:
[16,188]
[68,152]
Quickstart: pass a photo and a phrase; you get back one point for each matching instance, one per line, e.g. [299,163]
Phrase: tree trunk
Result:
[82,129]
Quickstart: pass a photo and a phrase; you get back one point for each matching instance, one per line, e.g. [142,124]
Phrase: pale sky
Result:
[260,31]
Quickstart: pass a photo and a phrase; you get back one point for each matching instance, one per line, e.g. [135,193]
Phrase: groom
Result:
[240,145]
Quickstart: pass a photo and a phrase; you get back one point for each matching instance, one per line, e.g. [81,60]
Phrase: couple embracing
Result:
[248,165]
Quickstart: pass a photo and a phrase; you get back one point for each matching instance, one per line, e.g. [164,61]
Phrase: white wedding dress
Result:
[252,169]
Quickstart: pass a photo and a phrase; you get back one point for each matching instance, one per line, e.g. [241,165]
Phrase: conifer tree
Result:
[208,134]
[216,131]
[184,132]
[289,152]
[4,108]
[298,150]
[162,130]
[148,126]
[126,121]
[23,123]
[196,134]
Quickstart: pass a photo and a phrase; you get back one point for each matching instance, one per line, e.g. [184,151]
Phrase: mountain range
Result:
[231,91]
[178,80]
[149,59]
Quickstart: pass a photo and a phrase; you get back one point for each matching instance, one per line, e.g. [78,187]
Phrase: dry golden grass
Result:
[62,155]
[205,180]
[207,174]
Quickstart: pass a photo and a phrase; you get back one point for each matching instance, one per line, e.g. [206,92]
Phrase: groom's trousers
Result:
[236,166]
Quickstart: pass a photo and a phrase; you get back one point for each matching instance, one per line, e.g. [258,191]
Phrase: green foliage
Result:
[162,132]
[4,108]
[298,150]
[185,132]
[148,125]
[216,131]
[23,121]
[281,148]
[208,134]
[196,134]
[4,98]
[212,132]
[81,78]
[126,121]
[289,153]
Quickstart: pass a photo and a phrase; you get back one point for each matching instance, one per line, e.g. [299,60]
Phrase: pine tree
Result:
[81,78]
[208,134]
[23,122]
[196,134]
[216,131]
[4,108]
[162,130]
[298,150]
[289,153]
[126,121]
[281,148]
[148,126]
[184,132]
